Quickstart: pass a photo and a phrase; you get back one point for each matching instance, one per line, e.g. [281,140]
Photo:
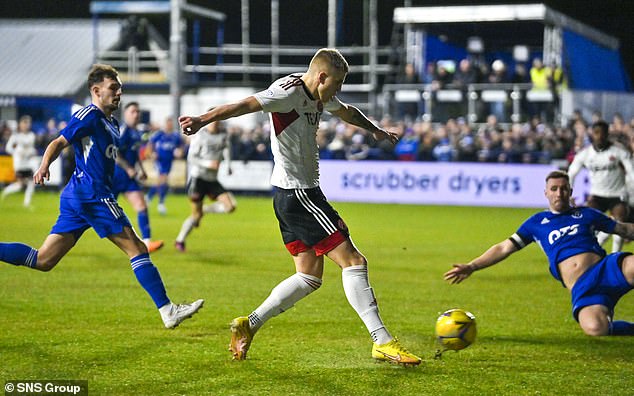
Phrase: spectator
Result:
[443,151]
[498,76]
[409,110]
[407,146]
[541,78]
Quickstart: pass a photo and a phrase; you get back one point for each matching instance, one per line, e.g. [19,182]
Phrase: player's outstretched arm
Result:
[354,116]
[190,124]
[491,256]
[626,230]
[52,152]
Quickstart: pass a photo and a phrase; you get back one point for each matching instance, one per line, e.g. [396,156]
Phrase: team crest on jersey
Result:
[269,92]
[320,106]
[577,214]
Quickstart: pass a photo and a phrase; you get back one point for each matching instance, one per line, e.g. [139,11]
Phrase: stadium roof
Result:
[46,57]
[451,17]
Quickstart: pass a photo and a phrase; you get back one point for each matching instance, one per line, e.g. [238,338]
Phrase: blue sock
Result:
[621,328]
[162,192]
[18,254]
[149,277]
[151,193]
[144,224]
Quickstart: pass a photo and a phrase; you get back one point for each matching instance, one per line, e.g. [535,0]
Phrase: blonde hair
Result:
[329,57]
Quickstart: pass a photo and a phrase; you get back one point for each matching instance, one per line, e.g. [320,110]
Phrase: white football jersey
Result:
[205,149]
[294,116]
[607,169]
[22,147]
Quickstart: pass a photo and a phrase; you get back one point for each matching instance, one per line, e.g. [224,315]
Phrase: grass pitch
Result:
[88,319]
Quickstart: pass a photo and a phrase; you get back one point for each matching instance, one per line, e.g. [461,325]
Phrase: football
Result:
[455,329]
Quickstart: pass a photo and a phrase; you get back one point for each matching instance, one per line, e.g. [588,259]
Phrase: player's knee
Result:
[358,259]
[595,328]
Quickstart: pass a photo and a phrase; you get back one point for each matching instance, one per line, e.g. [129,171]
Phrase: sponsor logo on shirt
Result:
[564,231]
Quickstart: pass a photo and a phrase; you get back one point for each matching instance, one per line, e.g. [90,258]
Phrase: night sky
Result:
[614,17]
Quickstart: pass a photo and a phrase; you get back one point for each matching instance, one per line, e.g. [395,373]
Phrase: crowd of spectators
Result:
[455,140]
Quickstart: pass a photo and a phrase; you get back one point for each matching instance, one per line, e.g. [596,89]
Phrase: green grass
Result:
[89,319]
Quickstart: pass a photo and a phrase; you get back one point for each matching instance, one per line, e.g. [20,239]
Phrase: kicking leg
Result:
[306,280]
[361,297]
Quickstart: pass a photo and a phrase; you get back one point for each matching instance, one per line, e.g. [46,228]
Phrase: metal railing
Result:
[472,102]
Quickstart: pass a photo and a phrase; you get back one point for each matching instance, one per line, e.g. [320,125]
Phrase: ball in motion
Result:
[455,329]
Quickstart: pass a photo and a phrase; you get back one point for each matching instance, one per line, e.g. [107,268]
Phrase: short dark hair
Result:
[130,105]
[602,125]
[558,174]
[98,72]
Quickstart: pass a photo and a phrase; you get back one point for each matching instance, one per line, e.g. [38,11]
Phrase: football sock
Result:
[186,228]
[144,224]
[617,243]
[151,193]
[28,193]
[621,328]
[361,297]
[162,190]
[18,254]
[602,237]
[216,207]
[283,296]
[148,276]
[12,188]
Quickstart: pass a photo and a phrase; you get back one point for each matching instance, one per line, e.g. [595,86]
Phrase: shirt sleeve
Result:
[77,129]
[274,99]
[523,236]
[601,221]
[333,104]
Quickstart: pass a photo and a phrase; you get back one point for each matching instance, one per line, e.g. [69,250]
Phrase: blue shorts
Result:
[604,284]
[123,184]
[163,167]
[104,215]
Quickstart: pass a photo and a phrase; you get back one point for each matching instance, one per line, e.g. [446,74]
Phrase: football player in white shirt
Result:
[206,152]
[608,165]
[310,227]
[21,146]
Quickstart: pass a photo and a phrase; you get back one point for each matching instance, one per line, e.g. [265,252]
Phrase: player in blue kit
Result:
[163,146]
[87,200]
[129,170]
[567,236]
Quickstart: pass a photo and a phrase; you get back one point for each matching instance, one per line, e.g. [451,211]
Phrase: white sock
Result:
[282,297]
[186,228]
[617,243]
[12,188]
[361,297]
[28,193]
[602,237]
[216,207]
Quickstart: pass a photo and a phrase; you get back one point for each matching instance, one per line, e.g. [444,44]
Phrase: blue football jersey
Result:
[129,145]
[95,140]
[164,145]
[563,235]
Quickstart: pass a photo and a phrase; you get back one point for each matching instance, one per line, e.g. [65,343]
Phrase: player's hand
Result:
[189,125]
[381,134]
[458,273]
[40,175]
